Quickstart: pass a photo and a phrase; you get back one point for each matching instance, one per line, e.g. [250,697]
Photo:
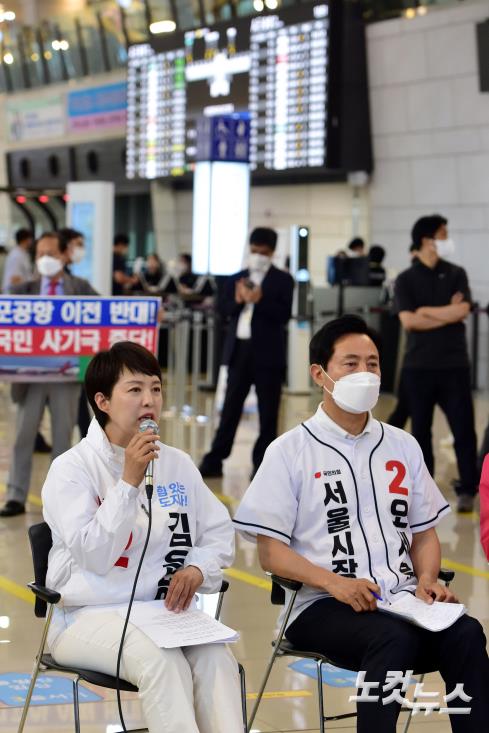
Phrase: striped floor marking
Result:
[279,694]
[14,589]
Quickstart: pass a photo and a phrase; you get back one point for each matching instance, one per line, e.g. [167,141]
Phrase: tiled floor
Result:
[246,606]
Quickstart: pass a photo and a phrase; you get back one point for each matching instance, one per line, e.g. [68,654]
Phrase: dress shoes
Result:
[465,504]
[12,508]
[40,446]
[209,470]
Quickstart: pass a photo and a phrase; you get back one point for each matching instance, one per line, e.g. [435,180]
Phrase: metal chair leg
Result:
[410,714]
[76,704]
[35,670]
[242,680]
[272,659]
[319,665]
[25,710]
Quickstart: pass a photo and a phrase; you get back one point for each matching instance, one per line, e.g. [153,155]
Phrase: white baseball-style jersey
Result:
[99,525]
[350,504]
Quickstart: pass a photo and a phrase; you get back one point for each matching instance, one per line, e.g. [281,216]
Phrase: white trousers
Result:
[193,689]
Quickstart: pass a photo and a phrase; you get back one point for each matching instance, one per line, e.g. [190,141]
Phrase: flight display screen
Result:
[276,66]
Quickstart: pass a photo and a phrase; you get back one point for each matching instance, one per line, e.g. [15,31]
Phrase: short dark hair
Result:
[426,227]
[22,234]
[322,344]
[356,243]
[121,239]
[265,236]
[107,366]
[376,253]
[53,235]
[187,257]
[67,234]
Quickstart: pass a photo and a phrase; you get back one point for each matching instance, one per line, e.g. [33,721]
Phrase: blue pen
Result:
[376,596]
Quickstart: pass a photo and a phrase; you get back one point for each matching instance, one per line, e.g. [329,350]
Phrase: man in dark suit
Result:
[258,301]
[32,398]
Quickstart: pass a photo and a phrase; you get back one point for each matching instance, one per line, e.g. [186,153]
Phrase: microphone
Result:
[148,476]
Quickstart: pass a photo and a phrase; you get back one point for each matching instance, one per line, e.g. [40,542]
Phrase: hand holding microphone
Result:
[140,454]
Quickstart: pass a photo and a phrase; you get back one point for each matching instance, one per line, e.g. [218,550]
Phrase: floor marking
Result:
[31,498]
[227,500]
[19,591]
[279,694]
[249,578]
[468,569]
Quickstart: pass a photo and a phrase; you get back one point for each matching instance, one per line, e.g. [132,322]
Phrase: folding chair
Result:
[41,541]
[284,648]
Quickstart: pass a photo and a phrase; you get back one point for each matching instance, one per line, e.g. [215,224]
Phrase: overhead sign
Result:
[53,338]
[99,108]
[35,118]
[224,138]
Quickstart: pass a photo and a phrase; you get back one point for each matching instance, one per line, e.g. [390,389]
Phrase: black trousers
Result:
[242,373]
[451,390]
[400,414]
[377,643]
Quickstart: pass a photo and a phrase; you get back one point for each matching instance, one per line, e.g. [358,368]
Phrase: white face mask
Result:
[357,392]
[78,254]
[445,248]
[49,266]
[258,262]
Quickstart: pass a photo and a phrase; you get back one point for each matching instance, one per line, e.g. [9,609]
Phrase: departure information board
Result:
[273,65]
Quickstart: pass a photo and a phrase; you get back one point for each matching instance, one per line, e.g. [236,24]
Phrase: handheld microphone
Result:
[148,476]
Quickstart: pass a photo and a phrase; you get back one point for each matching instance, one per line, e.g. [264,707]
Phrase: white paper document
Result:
[434,616]
[168,629]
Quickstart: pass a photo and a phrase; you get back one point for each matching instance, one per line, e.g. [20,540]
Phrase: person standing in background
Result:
[18,265]
[61,397]
[433,299]
[356,248]
[74,247]
[121,280]
[259,302]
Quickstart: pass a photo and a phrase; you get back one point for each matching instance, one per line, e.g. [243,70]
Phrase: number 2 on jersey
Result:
[395,486]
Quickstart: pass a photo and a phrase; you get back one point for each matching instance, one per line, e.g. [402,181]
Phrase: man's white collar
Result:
[333,427]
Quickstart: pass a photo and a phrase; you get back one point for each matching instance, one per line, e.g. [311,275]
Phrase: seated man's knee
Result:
[467,631]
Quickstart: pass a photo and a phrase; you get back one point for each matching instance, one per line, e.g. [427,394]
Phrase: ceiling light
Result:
[258,5]
[271,4]
[163,26]
[410,13]
[8,58]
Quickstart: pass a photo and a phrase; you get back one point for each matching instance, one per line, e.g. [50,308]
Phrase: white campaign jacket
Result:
[350,504]
[99,525]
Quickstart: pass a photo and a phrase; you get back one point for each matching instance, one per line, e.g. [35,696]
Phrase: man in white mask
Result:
[73,246]
[258,301]
[433,300]
[345,504]
[31,398]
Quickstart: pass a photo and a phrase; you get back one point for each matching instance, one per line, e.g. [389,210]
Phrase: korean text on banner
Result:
[54,338]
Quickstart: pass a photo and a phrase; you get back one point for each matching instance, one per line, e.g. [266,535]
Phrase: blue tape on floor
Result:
[48,690]
[333,676]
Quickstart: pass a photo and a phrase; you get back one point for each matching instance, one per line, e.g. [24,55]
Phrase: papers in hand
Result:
[434,616]
[168,629]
